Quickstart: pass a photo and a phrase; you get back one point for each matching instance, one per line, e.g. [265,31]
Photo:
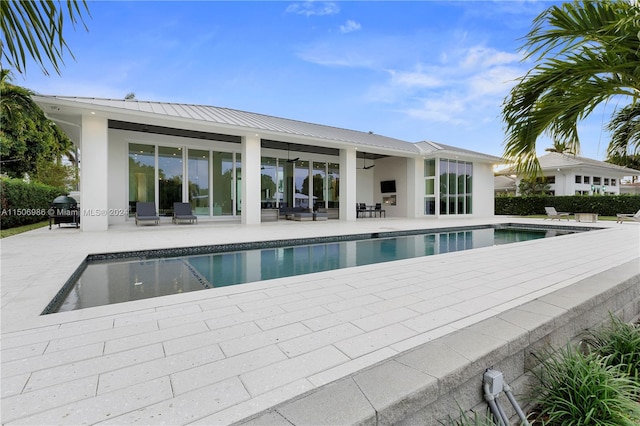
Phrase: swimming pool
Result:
[121,277]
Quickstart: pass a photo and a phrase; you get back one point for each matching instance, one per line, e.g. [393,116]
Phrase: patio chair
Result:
[146,212]
[361,208]
[379,210]
[553,214]
[621,217]
[182,211]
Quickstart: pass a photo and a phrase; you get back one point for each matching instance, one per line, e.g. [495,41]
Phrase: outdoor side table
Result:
[586,217]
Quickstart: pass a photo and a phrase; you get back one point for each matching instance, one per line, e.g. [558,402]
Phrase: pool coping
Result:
[149,254]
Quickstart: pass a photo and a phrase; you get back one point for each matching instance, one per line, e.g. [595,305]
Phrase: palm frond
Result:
[35,29]
[586,53]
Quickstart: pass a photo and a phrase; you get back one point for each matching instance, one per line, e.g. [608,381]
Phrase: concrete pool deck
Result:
[224,355]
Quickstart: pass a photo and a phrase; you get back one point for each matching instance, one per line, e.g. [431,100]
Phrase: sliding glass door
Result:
[198,169]
[169,179]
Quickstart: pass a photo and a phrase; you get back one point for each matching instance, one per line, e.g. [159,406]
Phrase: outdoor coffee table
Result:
[586,217]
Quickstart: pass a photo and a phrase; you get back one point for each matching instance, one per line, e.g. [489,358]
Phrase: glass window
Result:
[430,206]
[596,180]
[169,179]
[578,179]
[613,182]
[469,188]
[333,183]
[430,168]
[586,179]
[198,168]
[222,183]
[238,194]
[430,188]
[606,181]
[268,178]
[455,187]
[301,196]
[551,180]
[319,184]
[142,167]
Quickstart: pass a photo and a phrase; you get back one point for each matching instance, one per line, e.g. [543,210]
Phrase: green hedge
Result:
[25,203]
[604,205]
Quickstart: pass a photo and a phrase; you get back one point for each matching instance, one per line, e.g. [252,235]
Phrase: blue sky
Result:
[416,70]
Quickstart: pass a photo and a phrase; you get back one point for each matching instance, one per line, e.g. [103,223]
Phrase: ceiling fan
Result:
[364,164]
[292,160]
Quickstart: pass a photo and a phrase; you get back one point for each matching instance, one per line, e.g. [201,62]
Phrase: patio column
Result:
[348,182]
[251,179]
[415,187]
[94,179]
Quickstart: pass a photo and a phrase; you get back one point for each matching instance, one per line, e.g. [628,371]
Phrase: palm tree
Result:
[586,53]
[35,28]
[561,148]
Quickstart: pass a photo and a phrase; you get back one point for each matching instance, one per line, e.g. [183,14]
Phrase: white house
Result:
[231,164]
[569,174]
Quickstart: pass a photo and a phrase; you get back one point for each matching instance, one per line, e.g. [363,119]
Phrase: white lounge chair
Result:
[621,217]
[553,214]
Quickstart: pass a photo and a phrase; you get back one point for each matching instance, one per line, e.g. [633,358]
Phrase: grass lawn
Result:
[20,229]
[543,216]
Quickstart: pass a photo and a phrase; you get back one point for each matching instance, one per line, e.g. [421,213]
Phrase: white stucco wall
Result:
[392,168]
[93,173]
[118,177]
[483,194]
[364,186]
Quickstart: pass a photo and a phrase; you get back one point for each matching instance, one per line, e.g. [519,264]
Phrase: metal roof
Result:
[243,120]
[430,147]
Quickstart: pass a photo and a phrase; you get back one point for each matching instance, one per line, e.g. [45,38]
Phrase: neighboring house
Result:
[236,165]
[630,188]
[569,174]
[504,185]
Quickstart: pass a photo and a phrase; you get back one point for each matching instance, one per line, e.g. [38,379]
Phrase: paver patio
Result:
[223,355]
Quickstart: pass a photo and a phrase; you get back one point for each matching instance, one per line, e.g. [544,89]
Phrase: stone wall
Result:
[434,382]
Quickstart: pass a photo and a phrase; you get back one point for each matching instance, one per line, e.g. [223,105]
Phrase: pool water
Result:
[104,283]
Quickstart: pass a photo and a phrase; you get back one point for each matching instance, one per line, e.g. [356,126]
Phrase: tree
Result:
[35,28]
[630,161]
[561,148]
[586,53]
[26,136]
[537,186]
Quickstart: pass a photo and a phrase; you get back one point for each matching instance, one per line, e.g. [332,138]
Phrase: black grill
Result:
[64,210]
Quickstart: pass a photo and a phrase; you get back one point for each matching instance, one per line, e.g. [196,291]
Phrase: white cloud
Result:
[310,7]
[327,55]
[350,26]
[416,78]
[466,85]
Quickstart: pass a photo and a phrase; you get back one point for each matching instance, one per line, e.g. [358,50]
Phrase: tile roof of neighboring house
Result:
[501,183]
[555,160]
[255,121]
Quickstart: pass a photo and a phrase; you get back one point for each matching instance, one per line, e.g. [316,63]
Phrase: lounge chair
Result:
[621,217]
[553,214]
[182,211]
[146,212]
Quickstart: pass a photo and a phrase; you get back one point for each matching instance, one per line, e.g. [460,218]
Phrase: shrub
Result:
[606,205]
[24,203]
[618,343]
[578,389]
